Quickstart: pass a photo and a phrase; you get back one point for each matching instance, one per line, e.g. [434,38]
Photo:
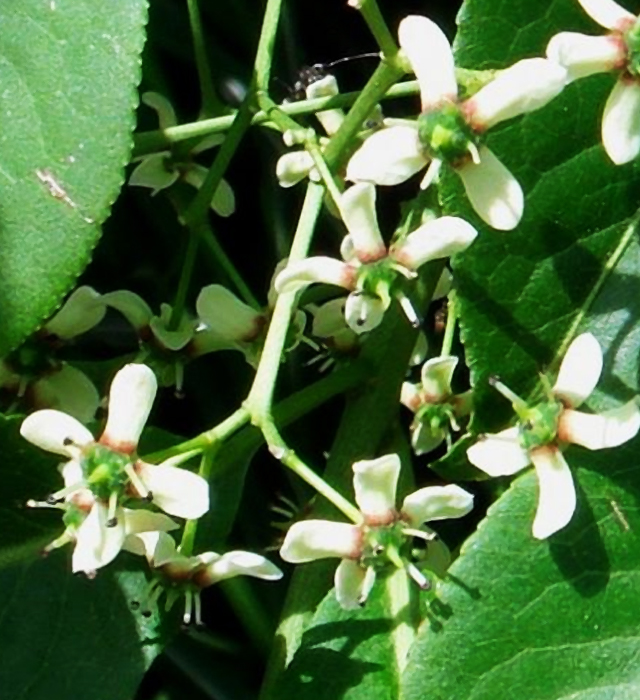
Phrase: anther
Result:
[135,605]
[67,441]
[112,522]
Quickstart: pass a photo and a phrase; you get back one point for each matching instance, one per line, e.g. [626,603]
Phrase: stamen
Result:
[421,534]
[475,154]
[112,519]
[417,576]
[136,481]
[66,491]
[179,391]
[506,392]
[188,604]
[408,309]
[43,504]
[432,173]
[198,610]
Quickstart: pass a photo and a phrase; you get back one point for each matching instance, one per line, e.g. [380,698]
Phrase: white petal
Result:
[444,286]
[523,87]
[621,122]
[175,490]
[55,431]
[436,503]
[331,119]
[363,313]
[438,238]
[154,172]
[580,370]
[328,319]
[141,520]
[410,396]
[83,310]
[309,540]
[227,316]
[493,191]
[429,53]
[607,13]
[242,564]
[293,167]
[436,377]
[425,439]
[420,350]
[156,545]
[70,391]
[223,201]
[133,307]
[500,454]
[584,55]
[388,157]
[557,496]
[595,432]
[358,209]
[375,482]
[131,397]
[176,339]
[96,544]
[72,473]
[353,584]
[164,108]
[297,275]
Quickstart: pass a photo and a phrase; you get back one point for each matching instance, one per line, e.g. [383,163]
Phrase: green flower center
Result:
[632,40]
[439,417]
[381,545]
[105,471]
[445,134]
[539,424]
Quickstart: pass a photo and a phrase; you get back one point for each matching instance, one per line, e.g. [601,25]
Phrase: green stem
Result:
[185,280]
[191,526]
[264,52]
[378,27]
[452,319]
[153,141]
[210,103]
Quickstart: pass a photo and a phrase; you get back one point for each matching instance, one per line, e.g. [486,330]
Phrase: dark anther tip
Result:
[149,497]
[146,613]
[135,605]
[67,441]
[52,500]
[112,522]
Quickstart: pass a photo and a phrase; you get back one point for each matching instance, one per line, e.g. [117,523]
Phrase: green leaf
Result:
[68,72]
[545,620]
[522,292]
[352,654]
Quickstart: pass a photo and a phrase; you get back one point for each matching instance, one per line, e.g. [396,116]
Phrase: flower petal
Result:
[436,503]
[131,397]
[493,191]
[353,584]
[425,439]
[388,157]
[223,201]
[239,563]
[607,13]
[557,496]
[621,122]
[500,454]
[297,275]
[141,520]
[176,491]
[70,391]
[363,313]
[156,545]
[375,482]
[96,544]
[436,377]
[331,119]
[83,310]
[309,540]
[164,108]
[444,286]
[580,370]
[584,55]
[226,315]
[358,209]
[55,431]
[431,58]
[595,432]
[154,172]
[410,396]
[133,307]
[293,167]
[523,87]
[438,238]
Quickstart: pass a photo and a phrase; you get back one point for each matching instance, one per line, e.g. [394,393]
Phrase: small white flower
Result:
[384,534]
[187,576]
[547,427]
[105,473]
[617,51]
[449,131]
[369,269]
[436,407]
[158,171]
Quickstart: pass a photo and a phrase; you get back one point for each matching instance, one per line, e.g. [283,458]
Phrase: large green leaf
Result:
[68,72]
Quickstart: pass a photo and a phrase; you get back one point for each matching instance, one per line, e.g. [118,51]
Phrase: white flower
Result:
[159,171]
[618,51]
[190,575]
[382,536]
[436,407]
[369,269]
[35,376]
[547,427]
[107,472]
[449,131]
